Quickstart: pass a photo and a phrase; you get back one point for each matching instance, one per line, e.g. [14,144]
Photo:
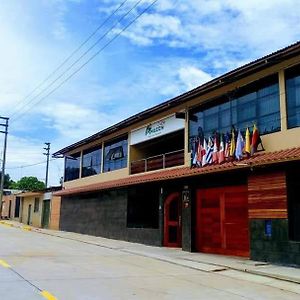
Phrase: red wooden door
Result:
[222,221]
[172,221]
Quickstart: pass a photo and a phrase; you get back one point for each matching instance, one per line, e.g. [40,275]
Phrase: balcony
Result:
[157,162]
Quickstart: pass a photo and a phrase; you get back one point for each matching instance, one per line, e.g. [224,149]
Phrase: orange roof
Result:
[259,159]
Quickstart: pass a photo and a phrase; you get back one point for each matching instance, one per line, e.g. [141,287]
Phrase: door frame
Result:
[172,197]
[29,215]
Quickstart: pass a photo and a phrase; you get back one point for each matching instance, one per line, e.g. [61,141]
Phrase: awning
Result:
[259,159]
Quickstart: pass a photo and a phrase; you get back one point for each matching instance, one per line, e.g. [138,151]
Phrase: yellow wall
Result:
[275,141]
[36,217]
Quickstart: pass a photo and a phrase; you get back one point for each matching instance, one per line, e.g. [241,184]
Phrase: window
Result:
[142,207]
[72,165]
[256,103]
[115,154]
[36,204]
[91,162]
[293,190]
[293,96]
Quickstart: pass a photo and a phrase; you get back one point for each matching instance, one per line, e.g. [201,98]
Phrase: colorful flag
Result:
[255,140]
[221,155]
[215,149]
[227,145]
[239,146]
[232,144]
[209,153]
[204,152]
[199,154]
[247,142]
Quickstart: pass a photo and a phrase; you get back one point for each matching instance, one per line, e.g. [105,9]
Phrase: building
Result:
[10,205]
[133,181]
[40,208]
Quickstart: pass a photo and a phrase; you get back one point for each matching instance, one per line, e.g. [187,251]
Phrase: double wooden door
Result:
[222,221]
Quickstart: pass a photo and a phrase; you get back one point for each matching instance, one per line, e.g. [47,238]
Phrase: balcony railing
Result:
[161,161]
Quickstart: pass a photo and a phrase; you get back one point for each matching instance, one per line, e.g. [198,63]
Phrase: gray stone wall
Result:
[103,214]
[276,248]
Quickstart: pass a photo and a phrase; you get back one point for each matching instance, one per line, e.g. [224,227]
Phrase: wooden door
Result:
[172,221]
[222,221]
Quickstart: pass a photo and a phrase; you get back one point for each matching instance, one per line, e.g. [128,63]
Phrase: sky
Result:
[173,47]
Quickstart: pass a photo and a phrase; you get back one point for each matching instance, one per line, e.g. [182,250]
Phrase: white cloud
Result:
[193,77]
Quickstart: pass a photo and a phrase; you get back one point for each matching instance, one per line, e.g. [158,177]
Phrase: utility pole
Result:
[5,131]
[47,166]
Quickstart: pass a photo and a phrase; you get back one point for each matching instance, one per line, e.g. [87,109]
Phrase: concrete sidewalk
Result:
[198,261]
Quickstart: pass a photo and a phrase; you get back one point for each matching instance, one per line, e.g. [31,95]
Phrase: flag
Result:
[227,145]
[199,154]
[215,149]
[232,144]
[204,152]
[209,153]
[255,140]
[221,155]
[247,142]
[239,146]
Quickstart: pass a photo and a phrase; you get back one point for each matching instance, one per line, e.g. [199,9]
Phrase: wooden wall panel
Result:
[55,213]
[267,196]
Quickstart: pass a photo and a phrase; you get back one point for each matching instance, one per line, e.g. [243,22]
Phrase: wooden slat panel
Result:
[267,197]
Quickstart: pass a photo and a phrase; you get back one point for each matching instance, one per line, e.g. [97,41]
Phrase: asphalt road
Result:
[36,266]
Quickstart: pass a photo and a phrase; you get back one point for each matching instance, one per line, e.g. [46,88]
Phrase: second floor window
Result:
[115,154]
[256,103]
[293,96]
[91,162]
[72,167]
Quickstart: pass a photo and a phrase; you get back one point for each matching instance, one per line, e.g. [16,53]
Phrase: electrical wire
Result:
[70,56]
[90,59]
[31,165]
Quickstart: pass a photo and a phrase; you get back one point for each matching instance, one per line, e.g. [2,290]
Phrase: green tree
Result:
[7,181]
[30,183]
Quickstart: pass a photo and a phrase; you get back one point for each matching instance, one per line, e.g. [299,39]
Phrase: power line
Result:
[31,165]
[70,56]
[84,54]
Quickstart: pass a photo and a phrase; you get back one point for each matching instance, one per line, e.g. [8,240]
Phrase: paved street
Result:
[32,262]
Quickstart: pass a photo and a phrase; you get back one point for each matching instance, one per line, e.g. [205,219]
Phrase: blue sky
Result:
[174,47]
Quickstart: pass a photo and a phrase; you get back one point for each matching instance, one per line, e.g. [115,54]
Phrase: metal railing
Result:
[161,161]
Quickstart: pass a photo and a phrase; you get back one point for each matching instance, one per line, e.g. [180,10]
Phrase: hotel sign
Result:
[156,129]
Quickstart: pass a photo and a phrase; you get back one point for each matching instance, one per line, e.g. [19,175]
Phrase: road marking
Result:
[47,295]
[4,264]
[27,228]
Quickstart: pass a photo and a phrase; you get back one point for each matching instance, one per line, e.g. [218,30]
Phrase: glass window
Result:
[293,96]
[115,154]
[91,162]
[256,103]
[72,166]
[36,204]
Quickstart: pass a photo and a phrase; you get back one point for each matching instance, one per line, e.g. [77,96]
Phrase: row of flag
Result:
[224,147]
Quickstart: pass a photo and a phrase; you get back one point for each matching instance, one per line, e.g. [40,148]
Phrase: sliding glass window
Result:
[72,167]
[293,96]
[115,154]
[91,162]
[256,103]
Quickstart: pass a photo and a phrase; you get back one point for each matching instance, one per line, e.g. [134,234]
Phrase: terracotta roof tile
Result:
[259,159]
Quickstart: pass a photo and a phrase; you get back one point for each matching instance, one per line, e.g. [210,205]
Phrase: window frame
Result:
[93,166]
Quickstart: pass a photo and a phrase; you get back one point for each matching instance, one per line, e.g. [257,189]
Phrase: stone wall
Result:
[103,214]
[276,248]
